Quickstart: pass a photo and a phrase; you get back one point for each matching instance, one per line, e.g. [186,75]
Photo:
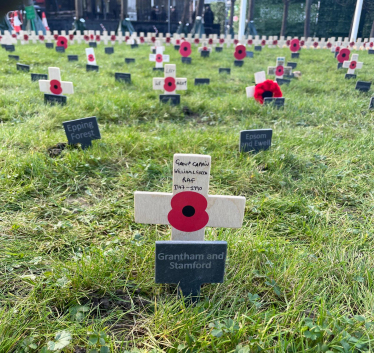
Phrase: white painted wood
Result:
[191,172]
[90,55]
[54,74]
[346,64]
[281,61]
[159,58]
[170,71]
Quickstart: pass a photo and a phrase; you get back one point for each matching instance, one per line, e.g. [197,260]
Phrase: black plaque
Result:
[174,99]
[49,45]
[3,46]
[340,65]
[255,140]
[133,46]
[205,53]
[224,70]
[277,102]
[202,81]
[238,63]
[249,54]
[22,67]
[295,55]
[53,99]
[37,77]
[158,69]
[282,81]
[363,86]
[82,131]
[186,60]
[109,50]
[219,49]
[72,57]
[289,76]
[190,264]
[13,57]
[258,47]
[10,48]
[122,77]
[92,44]
[349,76]
[60,49]
[176,47]
[292,64]
[92,68]
[371,105]
[129,60]
[153,51]
[371,51]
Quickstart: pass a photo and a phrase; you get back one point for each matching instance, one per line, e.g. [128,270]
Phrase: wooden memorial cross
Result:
[280,69]
[352,66]
[189,208]
[55,87]
[159,57]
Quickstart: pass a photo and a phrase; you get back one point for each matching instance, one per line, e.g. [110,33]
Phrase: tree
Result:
[199,8]
[251,10]
[186,13]
[285,16]
[232,9]
[308,9]
[123,9]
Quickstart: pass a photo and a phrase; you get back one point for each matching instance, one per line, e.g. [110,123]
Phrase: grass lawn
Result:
[76,271]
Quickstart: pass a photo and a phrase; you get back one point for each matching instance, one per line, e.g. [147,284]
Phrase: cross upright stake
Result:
[189,208]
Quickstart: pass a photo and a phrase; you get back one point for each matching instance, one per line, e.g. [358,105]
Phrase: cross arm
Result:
[346,64]
[271,70]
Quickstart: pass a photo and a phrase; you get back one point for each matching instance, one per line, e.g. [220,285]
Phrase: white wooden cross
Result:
[158,45]
[189,208]
[54,85]
[280,69]
[259,78]
[105,37]
[204,47]
[353,64]
[159,57]
[33,37]
[24,37]
[170,83]
[41,37]
[90,55]
[49,37]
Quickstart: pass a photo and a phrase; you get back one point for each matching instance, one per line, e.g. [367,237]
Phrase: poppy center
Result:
[185,49]
[169,84]
[188,211]
[239,51]
[55,86]
[267,94]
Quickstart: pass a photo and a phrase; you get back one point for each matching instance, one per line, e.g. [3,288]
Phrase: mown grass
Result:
[299,275]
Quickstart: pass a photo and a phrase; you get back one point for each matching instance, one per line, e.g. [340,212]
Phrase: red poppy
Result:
[279,71]
[92,36]
[343,55]
[337,49]
[55,87]
[14,35]
[267,89]
[86,38]
[249,41]
[210,41]
[315,44]
[26,37]
[183,38]
[62,42]
[205,48]
[98,38]
[288,42]
[167,39]
[371,44]
[177,42]
[275,42]
[188,213]
[240,52]
[236,41]
[159,58]
[127,38]
[351,44]
[353,65]
[364,45]
[55,36]
[328,45]
[302,43]
[295,45]
[91,57]
[263,42]
[71,36]
[169,84]
[41,38]
[112,38]
[196,41]
[221,40]
[153,39]
[185,49]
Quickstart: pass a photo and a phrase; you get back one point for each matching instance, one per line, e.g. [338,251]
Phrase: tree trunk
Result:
[78,9]
[186,12]
[199,8]
[372,31]
[284,19]
[251,10]
[308,9]
[232,9]
[123,9]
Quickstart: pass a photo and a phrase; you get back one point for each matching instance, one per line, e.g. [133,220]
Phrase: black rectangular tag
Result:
[202,81]
[219,49]
[92,68]
[10,48]
[49,45]
[129,60]
[349,76]
[255,140]
[249,54]
[82,131]
[238,63]
[52,99]
[176,47]
[371,105]
[133,46]
[174,99]
[158,69]
[92,44]
[371,51]
[277,102]
[292,64]
[13,57]
[205,53]
[72,57]
[258,48]
[22,67]
[60,49]
[122,77]
[109,50]
[186,60]
[282,81]
[363,86]
[295,55]
[37,77]
[340,65]
[224,70]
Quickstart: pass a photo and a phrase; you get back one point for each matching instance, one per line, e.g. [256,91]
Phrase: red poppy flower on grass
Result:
[302,43]
[153,39]
[55,87]
[288,43]
[351,44]
[221,40]
[337,49]
[167,39]
[353,65]
[41,38]
[185,49]
[267,89]
[295,45]
[196,41]
[328,45]
[205,48]
[210,41]
[62,42]
[343,55]
[169,84]
[91,57]
[55,36]
[249,41]
[236,41]
[98,38]
[275,42]
[315,44]
[371,44]
[113,38]
[25,37]
[71,36]
[279,71]
[86,38]
[92,36]
[159,58]
[263,42]
[240,52]
[188,213]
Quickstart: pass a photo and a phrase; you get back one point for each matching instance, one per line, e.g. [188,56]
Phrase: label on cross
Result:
[170,84]
[189,209]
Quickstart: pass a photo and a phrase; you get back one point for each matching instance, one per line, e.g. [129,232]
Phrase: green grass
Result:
[299,273]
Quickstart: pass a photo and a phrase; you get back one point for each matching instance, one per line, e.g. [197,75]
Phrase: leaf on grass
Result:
[217,333]
[62,339]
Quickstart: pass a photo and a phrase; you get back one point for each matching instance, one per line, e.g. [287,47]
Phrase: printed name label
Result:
[255,140]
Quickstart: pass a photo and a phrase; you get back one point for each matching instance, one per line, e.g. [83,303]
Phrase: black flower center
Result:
[185,49]
[188,211]
[55,86]
[169,84]
[267,94]
[239,51]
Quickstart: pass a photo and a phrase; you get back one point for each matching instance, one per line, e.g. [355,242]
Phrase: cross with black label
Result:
[82,131]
